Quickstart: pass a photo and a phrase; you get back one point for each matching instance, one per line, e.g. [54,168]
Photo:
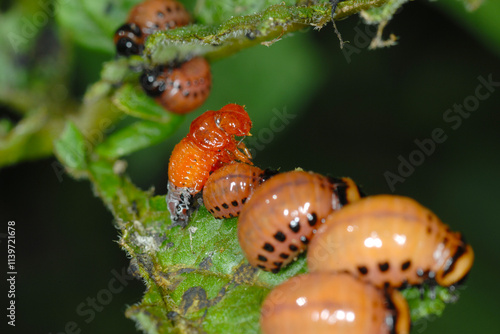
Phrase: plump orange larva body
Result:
[190,165]
[145,19]
[179,89]
[389,241]
[209,145]
[229,187]
[278,222]
[329,303]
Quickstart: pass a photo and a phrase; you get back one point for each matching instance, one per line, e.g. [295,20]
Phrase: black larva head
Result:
[126,47]
[267,174]
[127,39]
[152,85]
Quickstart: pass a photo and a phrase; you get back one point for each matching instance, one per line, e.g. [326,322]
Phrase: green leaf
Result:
[31,138]
[203,278]
[217,11]
[137,136]
[425,302]
[106,181]
[197,278]
[92,23]
[472,4]
[483,22]
[239,32]
[70,148]
[5,126]
[132,100]
[383,13]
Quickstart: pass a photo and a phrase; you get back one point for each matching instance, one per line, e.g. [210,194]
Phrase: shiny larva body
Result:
[145,19]
[332,303]
[179,89]
[278,222]
[209,145]
[229,187]
[390,241]
[190,165]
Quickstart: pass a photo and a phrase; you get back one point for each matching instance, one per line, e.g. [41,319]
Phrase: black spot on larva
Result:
[284,256]
[360,192]
[383,266]
[304,240]
[293,248]
[387,285]
[450,264]
[429,230]
[391,319]
[225,206]
[431,275]
[341,192]
[250,35]
[217,208]
[262,258]
[131,27]
[429,216]
[363,270]
[261,266]
[280,236]
[231,215]
[234,203]
[445,240]
[195,94]
[275,270]
[278,264]
[160,14]
[268,247]
[312,218]
[406,265]
[243,200]
[169,9]
[295,225]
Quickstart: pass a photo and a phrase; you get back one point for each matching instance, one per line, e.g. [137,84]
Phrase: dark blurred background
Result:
[354,115]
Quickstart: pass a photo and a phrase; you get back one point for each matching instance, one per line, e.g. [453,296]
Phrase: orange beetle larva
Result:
[229,187]
[145,19]
[209,145]
[322,303]
[179,89]
[390,241]
[278,222]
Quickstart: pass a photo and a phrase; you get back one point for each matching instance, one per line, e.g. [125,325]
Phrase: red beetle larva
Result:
[145,19]
[179,89]
[390,241]
[278,222]
[229,187]
[330,303]
[209,145]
